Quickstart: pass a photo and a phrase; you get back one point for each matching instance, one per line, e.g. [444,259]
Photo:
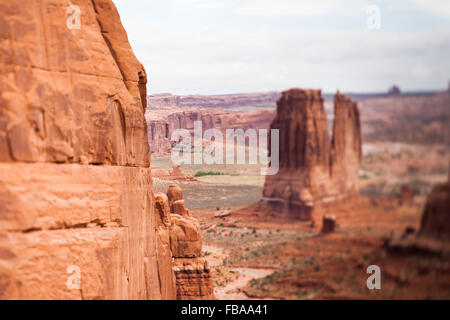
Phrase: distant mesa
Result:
[394,91]
[313,168]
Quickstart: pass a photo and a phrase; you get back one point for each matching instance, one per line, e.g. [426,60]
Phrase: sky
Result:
[238,46]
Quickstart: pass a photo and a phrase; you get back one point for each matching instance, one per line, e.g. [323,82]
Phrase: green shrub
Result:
[207,173]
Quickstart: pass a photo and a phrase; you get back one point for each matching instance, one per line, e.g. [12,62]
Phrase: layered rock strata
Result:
[77,210]
[192,273]
[313,168]
[436,216]
[162,124]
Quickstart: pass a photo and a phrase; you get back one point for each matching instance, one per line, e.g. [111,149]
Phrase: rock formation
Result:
[313,169]
[346,145]
[175,174]
[436,216]
[193,278]
[77,210]
[162,123]
[434,234]
[394,90]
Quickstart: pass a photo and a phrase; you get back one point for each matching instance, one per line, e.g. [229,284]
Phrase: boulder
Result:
[193,277]
[174,193]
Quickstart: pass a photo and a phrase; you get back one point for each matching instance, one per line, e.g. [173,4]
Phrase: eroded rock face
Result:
[433,236]
[97,219]
[192,273]
[346,145]
[163,122]
[174,193]
[313,168]
[164,253]
[77,210]
[436,217]
[69,95]
[193,279]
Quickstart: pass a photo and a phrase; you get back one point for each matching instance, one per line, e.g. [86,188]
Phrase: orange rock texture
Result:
[77,210]
[192,273]
[313,168]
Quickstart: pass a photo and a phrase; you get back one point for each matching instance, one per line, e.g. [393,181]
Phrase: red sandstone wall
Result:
[75,183]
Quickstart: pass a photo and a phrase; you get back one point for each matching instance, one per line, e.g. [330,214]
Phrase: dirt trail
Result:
[232,291]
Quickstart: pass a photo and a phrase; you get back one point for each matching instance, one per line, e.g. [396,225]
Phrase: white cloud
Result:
[438,7]
[226,60]
[203,4]
[301,8]
[209,58]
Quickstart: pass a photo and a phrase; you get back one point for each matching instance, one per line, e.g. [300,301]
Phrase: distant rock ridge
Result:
[249,100]
[162,123]
[313,168]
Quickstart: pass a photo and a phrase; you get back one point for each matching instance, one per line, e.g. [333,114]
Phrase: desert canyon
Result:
[92,207]
[356,186]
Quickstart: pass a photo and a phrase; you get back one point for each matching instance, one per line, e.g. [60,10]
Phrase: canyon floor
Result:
[255,254]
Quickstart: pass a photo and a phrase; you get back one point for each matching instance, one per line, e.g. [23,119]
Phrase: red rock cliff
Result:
[77,210]
[313,169]
[192,273]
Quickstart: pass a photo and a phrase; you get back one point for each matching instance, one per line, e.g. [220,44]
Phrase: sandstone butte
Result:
[313,168]
[75,184]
